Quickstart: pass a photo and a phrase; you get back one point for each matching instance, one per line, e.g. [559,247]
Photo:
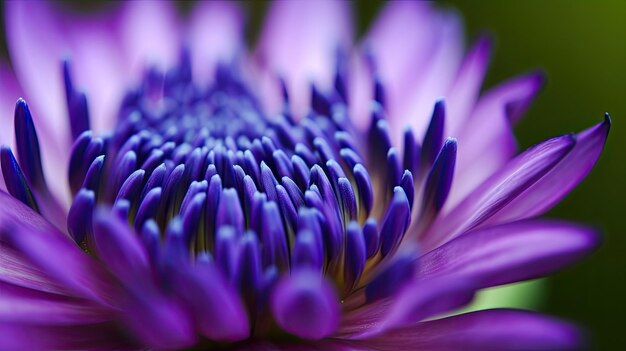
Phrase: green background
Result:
[581,45]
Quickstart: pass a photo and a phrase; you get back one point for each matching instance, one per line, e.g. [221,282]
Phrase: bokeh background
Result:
[581,45]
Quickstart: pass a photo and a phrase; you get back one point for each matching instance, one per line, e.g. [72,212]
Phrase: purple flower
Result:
[301,195]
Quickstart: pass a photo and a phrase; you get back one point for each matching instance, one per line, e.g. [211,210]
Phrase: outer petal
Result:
[11,91]
[150,33]
[39,37]
[416,302]
[500,189]
[26,337]
[36,60]
[509,253]
[550,189]
[416,53]
[486,138]
[23,305]
[464,91]
[215,35]
[294,45]
[483,330]
[39,247]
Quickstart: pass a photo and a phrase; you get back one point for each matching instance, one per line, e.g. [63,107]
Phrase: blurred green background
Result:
[581,45]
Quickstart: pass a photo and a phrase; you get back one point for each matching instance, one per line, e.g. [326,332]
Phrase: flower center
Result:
[260,195]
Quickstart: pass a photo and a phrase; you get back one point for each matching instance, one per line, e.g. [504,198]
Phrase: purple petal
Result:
[420,300]
[215,34]
[120,248]
[24,305]
[50,251]
[304,304]
[464,92]
[294,45]
[483,330]
[11,92]
[500,189]
[557,183]
[157,321]
[150,33]
[487,136]
[101,336]
[509,253]
[213,302]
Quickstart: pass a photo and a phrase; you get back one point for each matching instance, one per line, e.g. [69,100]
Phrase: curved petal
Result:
[91,45]
[305,305]
[36,60]
[218,312]
[416,52]
[416,302]
[483,330]
[295,46]
[11,91]
[464,92]
[509,253]
[41,249]
[499,190]
[486,137]
[215,35]
[23,305]
[557,183]
[101,336]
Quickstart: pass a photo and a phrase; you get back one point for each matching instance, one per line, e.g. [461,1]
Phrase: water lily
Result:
[166,187]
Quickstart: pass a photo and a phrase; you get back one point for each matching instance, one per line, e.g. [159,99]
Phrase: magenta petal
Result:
[500,189]
[305,305]
[509,253]
[215,35]
[295,46]
[51,252]
[557,183]
[487,330]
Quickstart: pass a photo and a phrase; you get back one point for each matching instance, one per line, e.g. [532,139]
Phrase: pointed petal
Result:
[418,301]
[487,135]
[557,183]
[464,92]
[23,305]
[11,91]
[500,189]
[509,253]
[489,330]
[295,46]
[56,255]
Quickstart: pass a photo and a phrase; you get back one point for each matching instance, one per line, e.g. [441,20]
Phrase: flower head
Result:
[304,196]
